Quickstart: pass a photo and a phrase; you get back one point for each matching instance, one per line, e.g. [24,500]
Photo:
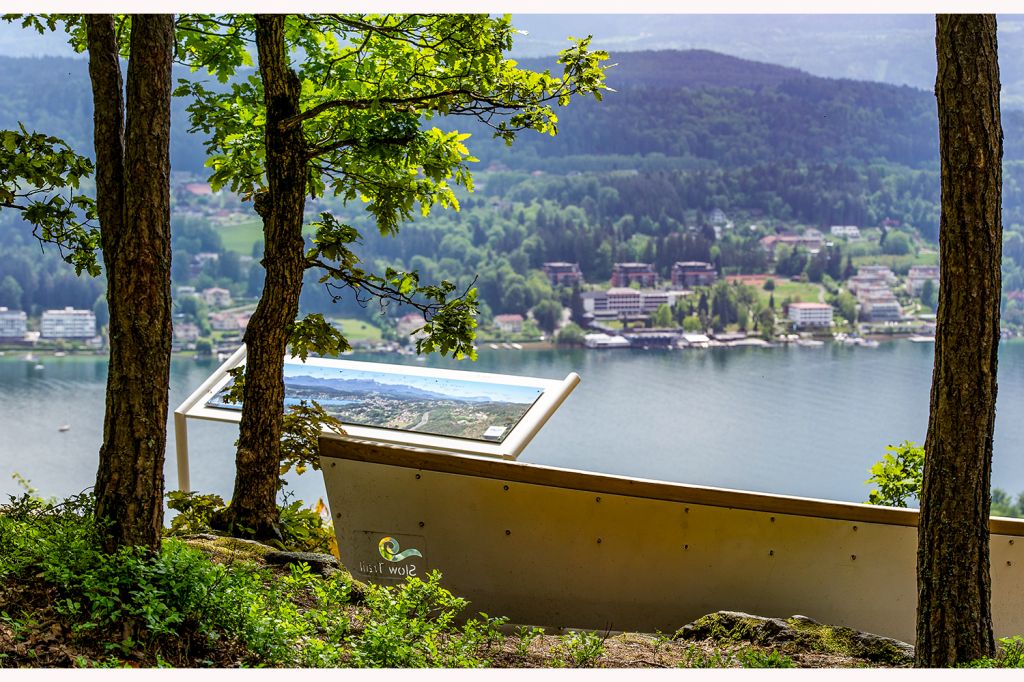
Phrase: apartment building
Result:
[68,323]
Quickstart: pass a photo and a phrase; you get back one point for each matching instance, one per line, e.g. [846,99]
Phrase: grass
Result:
[239,237]
[807,292]
[356,330]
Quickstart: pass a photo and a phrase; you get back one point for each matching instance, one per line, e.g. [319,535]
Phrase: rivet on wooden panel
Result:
[504,487]
[338,515]
[853,557]
[1009,563]
[771,552]
[772,519]
[686,547]
[597,499]
[1011,542]
[422,524]
[333,464]
[599,541]
[855,528]
[686,510]
[417,477]
[508,532]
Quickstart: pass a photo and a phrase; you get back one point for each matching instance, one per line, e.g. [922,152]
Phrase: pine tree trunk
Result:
[258,459]
[135,233]
[954,617]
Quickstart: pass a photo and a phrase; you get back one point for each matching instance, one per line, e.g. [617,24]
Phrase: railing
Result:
[557,547]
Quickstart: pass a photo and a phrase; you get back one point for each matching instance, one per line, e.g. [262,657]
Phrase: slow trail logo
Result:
[389,547]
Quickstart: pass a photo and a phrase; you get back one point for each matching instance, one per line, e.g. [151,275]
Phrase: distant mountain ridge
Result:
[885,48]
[721,111]
[670,69]
[364,386]
[704,108]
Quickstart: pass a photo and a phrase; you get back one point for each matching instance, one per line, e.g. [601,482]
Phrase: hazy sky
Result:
[888,48]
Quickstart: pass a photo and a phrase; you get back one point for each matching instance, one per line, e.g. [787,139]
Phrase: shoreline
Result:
[28,354]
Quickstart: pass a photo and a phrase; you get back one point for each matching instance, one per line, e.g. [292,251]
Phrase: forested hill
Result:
[52,95]
[677,109]
[712,109]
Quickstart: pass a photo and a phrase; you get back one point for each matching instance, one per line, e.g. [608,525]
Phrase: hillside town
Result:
[635,307]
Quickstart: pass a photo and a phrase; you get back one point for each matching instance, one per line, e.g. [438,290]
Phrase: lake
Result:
[799,421]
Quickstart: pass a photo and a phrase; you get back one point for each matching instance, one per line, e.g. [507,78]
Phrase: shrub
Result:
[526,636]
[412,626]
[175,600]
[176,606]
[194,511]
[302,529]
[571,334]
[580,649]
[1011,655]
[898,475]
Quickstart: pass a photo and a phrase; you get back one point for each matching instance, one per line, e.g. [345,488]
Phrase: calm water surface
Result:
[798,421]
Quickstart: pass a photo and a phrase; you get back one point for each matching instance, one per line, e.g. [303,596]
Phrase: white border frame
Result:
[553,394]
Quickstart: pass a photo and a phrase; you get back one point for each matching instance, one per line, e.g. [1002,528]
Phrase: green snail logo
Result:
[388,547]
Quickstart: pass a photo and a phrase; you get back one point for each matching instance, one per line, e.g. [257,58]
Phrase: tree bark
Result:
[258,458]
[133,196]
[954,616]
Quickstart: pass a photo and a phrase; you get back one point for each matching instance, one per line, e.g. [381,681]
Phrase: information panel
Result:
[442,409]
[385,399]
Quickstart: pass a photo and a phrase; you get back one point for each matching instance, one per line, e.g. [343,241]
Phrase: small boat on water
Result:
[59,354]
[64,427]
[493,346]
[517,346]
[39,367]
[922,339]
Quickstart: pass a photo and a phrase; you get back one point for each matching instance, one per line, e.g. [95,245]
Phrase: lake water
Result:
[798,421]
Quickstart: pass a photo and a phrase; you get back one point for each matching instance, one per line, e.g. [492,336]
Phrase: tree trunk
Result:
[135,233]
[954,616]
[258,459]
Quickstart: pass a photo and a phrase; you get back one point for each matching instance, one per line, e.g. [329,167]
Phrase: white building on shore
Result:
[13,324]
[810,315]
[68,324]
[626,301]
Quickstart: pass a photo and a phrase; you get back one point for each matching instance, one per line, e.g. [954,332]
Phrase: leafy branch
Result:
[40,176]
[449,321]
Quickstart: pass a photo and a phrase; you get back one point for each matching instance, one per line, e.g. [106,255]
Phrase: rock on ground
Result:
[798,632]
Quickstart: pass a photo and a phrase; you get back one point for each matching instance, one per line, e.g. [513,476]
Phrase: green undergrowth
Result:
[208,601]
[64,602]
[1011,655]
[742,657]
[302,529]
